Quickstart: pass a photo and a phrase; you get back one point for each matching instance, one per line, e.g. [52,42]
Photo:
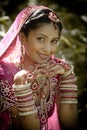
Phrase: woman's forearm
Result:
[29,122]
[27,111]
[68,116]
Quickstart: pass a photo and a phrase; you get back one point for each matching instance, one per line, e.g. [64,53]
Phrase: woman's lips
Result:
[43,56]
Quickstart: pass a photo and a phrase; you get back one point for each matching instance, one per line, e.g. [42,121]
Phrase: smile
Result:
[43,56]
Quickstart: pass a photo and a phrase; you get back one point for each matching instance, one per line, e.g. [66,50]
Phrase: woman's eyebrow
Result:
[47,36]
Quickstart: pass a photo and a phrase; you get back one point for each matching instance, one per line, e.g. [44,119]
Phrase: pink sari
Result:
[8,46]
[53,122]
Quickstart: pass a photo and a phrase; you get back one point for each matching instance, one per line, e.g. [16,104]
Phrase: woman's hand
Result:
[25,101]
[20,77]
[23,77]
[49,69]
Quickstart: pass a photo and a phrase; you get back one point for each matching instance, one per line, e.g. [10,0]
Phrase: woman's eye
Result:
[54,41]
[41,39]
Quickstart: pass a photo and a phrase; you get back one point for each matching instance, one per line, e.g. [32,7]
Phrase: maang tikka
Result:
[52,16]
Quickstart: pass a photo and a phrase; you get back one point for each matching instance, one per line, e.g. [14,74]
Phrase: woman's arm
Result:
[25,104]
[29,122]
[68,115]
[67,101]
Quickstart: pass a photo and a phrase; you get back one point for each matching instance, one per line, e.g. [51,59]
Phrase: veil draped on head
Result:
[10,44]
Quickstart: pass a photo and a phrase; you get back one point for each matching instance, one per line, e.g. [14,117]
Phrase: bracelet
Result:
[21,86]
[25,100]
[69,102]
[28,113]
[68,89]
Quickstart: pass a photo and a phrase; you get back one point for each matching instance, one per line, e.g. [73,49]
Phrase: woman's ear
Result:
[22,37]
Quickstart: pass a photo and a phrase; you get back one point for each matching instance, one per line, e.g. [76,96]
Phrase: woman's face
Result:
[41,43]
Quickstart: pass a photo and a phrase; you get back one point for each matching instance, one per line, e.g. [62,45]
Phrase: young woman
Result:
[38,91]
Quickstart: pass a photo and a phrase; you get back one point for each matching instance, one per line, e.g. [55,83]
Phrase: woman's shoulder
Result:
[7,69]
[65,64]
[6,80]
[7,66]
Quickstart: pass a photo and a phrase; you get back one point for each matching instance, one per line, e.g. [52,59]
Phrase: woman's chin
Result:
[42,61]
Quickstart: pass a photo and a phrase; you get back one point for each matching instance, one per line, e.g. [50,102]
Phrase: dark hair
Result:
[37,19]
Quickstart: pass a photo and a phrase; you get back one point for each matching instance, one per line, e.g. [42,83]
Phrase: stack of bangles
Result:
[25,100]
[68,88]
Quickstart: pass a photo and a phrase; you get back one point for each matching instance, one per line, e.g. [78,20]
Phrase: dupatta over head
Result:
[10,44]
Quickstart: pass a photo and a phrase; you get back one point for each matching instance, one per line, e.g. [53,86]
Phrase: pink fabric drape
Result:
[53,122]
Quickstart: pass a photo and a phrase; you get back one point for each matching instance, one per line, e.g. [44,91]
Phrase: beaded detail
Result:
[45,106]
[6,92]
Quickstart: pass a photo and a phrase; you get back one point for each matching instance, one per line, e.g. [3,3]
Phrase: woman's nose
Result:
[47,48]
